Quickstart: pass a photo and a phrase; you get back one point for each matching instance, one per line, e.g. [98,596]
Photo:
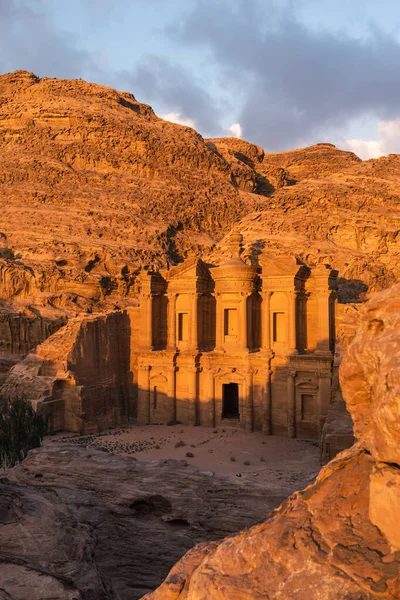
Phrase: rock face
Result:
[79,379]
[95,186]
[340,537]
[86,525]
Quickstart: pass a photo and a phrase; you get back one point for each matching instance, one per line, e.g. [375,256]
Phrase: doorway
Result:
[230,401]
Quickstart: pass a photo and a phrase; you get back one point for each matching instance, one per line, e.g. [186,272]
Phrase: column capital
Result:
[144,366]
[292,372]
[324,374]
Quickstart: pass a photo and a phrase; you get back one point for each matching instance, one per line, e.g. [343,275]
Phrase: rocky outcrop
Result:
[94,186]
[19,333]
[340,537]
[337,432]
[87,525]
[79,379]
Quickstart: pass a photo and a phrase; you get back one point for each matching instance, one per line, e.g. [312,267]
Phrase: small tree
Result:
[21,429]
[8,254]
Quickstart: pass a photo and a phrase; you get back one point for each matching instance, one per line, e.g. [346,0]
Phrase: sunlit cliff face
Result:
[370,378]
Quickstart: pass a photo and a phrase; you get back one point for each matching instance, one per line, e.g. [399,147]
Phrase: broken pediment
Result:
[279,265]
[190,269]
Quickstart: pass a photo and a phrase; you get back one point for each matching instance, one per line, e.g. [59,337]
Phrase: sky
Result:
[280,73]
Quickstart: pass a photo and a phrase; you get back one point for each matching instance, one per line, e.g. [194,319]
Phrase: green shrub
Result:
[21,429]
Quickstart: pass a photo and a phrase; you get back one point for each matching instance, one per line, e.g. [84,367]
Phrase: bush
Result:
[180,444]
[21,429]
[8,254]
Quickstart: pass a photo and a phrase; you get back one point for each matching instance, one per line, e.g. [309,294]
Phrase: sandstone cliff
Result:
[95,186]
[81,370]
[339,538]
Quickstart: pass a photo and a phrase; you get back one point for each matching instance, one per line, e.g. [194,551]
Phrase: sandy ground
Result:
[273,461]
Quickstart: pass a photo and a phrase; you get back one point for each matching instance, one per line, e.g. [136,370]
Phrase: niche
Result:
[230,323]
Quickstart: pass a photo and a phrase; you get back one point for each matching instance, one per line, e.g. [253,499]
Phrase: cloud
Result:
[158,80]
[298,81]
[387,142]
[236,130]
[29,40]
[180,119]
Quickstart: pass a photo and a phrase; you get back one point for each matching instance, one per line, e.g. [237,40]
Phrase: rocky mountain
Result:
[94,186]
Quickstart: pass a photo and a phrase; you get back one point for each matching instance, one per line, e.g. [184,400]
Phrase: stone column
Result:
[171,383]
[211,398]
[323,332]
[248,402]
[171,344]
[143,414]
[291,403]
[266,321]
[219,333]
[323,398]
[292,313]
[243,322]
[147,323]
[194,341]
[192,399]
[267,405]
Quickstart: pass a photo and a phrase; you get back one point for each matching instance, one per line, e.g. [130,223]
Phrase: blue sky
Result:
[281,73]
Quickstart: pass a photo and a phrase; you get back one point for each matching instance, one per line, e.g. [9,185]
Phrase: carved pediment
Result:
[307,384]
[192,268]
[279,266]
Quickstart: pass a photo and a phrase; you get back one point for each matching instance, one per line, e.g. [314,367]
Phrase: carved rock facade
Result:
[236,345]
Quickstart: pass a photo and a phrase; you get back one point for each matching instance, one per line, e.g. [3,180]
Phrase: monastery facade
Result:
[236,345]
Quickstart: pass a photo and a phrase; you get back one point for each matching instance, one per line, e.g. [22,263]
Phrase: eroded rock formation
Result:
[340,537]
[79,379]
[95,186]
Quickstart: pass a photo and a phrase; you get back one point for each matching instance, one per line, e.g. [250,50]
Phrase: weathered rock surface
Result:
[339,538]
[87,525]
[79,379]
[95,186]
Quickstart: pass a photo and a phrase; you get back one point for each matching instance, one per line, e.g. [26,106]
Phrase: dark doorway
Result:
[230,401]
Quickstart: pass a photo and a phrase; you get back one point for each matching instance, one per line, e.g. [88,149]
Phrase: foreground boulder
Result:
[340,538]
